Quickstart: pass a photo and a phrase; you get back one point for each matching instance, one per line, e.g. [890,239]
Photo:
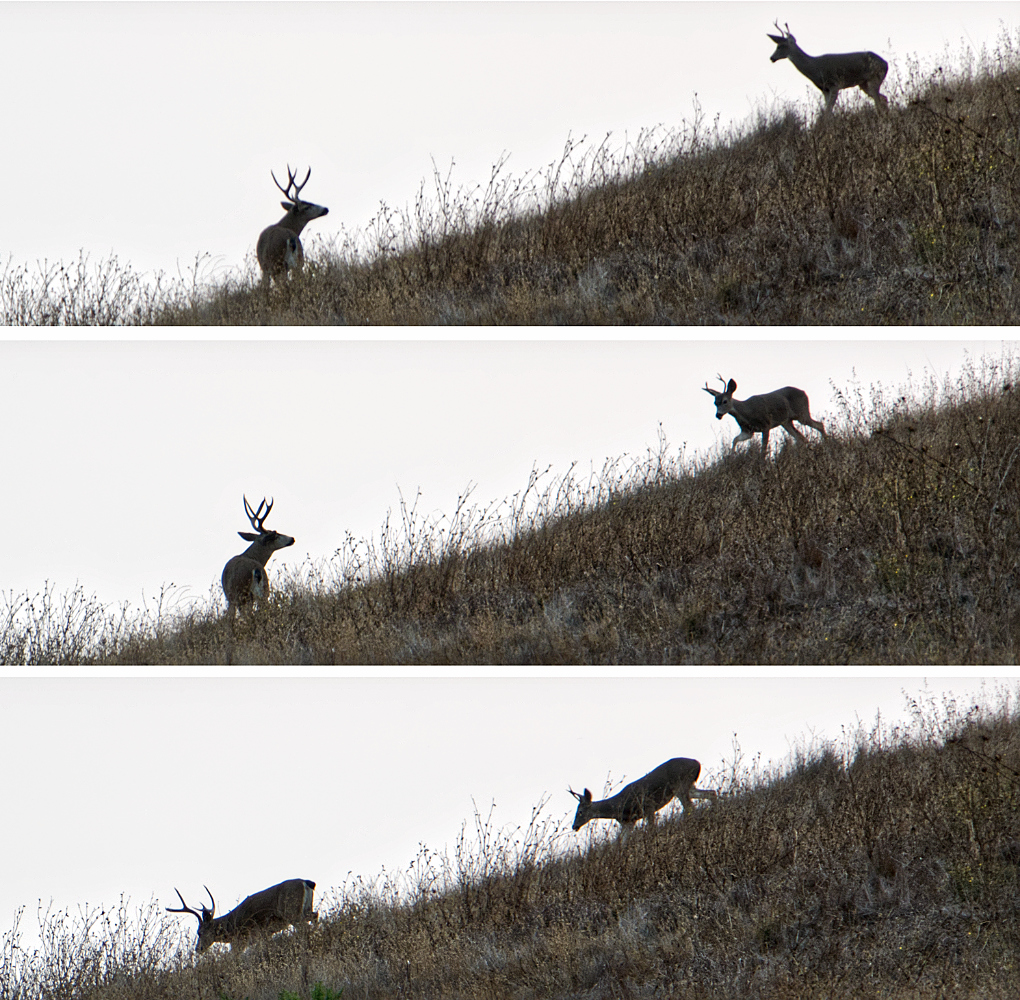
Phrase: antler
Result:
[256,523]
[292,182]
[576,795]
[186,908]
[715,392]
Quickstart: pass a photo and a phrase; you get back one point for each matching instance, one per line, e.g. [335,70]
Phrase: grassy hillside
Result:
[909,217]
[895,540]
[886,867]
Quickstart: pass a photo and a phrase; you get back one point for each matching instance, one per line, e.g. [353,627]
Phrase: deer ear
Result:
[286,205]
[587,795]
[732,387]
[248,536]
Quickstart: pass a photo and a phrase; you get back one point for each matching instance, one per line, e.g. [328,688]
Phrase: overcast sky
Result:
[148,130]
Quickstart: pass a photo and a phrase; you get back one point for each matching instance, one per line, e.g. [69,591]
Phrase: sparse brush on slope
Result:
[882,865]
[896,539]
[858,217]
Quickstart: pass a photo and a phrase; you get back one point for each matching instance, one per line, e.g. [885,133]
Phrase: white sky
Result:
[149,129]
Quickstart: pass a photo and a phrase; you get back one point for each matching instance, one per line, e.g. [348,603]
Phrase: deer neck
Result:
[294,220]
[260,552]
[217,929]
[808,65]
[610,808]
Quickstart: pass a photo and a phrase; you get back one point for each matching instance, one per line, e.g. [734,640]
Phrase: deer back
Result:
[770,409]
[244,580]
[848,69]
[650,793]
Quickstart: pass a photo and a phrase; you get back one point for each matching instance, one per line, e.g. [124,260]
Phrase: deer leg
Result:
[871,88]
[230,616]
[788,426]
[765,442]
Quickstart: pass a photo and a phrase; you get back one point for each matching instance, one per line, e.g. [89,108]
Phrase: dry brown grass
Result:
[884,867]
[909,217]
[895,540]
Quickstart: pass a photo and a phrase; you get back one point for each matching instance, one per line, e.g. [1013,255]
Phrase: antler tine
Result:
[264,516]
[251,514]
[572,792]
[298,187]
[292,182]
[285,190]
[788,28]
[256,517]
[211,900]
[186,908]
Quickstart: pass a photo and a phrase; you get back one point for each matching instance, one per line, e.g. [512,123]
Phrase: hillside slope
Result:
[909,217]
[904,218]
[883,868]
[894,540]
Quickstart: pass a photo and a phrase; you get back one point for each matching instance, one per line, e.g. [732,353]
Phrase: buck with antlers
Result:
[759,414]
[834,72]
[279,248]
[263,912]
[244,577]
[643,798]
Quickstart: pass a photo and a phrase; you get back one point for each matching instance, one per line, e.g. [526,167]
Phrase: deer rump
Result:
[276,907]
